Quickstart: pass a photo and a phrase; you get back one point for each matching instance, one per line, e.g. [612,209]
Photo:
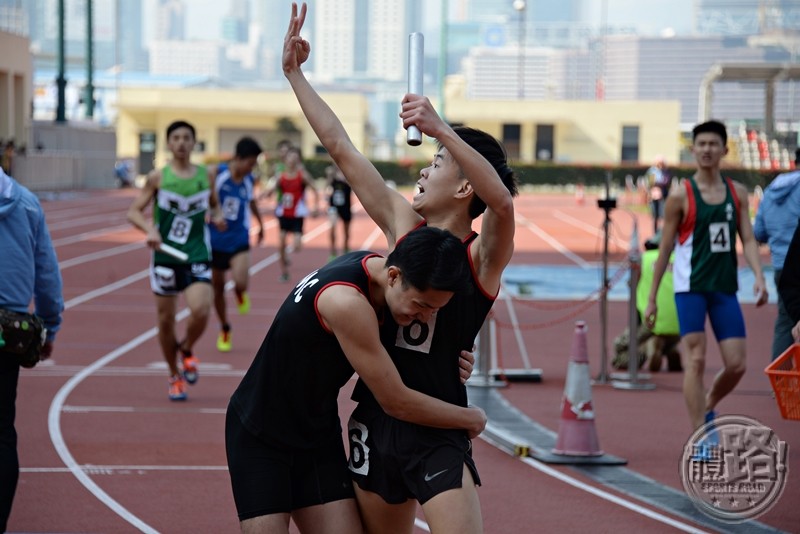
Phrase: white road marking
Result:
[552,241]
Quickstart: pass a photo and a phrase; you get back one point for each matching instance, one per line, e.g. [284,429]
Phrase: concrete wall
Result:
[70,156]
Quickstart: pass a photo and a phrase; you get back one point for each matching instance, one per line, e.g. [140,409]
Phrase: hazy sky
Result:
[650,16]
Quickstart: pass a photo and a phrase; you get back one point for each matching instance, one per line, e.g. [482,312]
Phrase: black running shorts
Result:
[222,260]
[168,280]
[291,224]
[271,480]
[401,461]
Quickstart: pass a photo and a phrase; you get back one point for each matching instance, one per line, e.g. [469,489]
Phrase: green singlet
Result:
[180,212]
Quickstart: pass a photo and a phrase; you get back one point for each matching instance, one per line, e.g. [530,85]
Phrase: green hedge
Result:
[556,175]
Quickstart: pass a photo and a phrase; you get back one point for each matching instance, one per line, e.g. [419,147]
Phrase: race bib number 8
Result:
[180,229]
[359,451]
[720,235]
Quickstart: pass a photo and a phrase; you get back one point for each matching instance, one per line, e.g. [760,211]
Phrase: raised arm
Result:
[496,241]
[362,346]
[388,208]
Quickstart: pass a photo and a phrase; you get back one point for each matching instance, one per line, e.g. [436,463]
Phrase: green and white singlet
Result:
[705,251]
[180,212]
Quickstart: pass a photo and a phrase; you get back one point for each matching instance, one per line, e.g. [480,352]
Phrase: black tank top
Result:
[427,354]
[288,397]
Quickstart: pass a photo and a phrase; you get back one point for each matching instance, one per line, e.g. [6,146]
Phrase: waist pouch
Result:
[22,336]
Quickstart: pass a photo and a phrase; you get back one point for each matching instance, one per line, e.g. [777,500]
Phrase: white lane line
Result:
[105,219]
[136,409]
[371,238]
[553,242]
[58,403]
[105,253]
[100,291]
[86,236]
[124,469]
[589,228]
[57,438]
[597,492]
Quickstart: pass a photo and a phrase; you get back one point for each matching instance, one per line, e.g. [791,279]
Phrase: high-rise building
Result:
[364,39]
[745,17]
[652,68]
[117,36]
[13,17]
[171,20]
[271,17]
[236,21]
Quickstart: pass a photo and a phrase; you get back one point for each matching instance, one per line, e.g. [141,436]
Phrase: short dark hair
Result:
[181,124]
[714,127]
[431,258]
[491,149]
[295,149]
[247,147]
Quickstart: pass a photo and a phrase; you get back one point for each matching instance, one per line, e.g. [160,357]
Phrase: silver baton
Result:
[416,46]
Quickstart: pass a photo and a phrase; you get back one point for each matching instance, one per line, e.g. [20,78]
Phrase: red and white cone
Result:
[577,435]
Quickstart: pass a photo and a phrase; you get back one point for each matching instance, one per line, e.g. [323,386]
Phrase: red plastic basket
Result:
[784,374]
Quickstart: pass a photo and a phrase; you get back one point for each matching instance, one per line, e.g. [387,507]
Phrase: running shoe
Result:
[177,389]
[243,303]
[284,277]
[190,368]
[224,341]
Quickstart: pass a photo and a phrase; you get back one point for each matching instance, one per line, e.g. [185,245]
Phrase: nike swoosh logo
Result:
[428,477]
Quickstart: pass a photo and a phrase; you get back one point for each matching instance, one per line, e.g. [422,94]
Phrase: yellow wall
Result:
[16,85]
[585,131]
[211,110]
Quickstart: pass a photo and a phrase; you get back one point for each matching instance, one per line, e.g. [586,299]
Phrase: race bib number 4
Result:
[720,235]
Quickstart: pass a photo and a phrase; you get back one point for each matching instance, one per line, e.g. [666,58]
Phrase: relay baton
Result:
[416,43]
[174,252]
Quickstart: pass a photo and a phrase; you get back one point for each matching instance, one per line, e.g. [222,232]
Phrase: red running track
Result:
[102,450]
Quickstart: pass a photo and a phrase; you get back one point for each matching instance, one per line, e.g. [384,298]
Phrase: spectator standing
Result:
[775,224]
[658,182]
[28,273]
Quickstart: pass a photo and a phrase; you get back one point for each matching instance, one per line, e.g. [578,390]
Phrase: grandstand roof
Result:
[752,72]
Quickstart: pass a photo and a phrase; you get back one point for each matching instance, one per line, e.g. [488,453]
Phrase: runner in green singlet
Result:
[182,194]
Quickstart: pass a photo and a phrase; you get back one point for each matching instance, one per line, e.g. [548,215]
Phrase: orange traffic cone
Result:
[577,435]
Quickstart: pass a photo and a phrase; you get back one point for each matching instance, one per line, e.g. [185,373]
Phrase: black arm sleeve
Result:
[789,284]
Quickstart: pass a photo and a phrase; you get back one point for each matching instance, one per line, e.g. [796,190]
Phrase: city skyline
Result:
[650,18]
